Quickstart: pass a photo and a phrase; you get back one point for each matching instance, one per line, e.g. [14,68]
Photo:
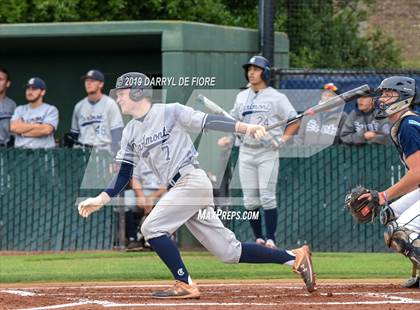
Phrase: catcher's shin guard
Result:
[404,241]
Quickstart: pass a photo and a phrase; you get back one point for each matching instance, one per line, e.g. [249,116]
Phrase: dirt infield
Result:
[215,295]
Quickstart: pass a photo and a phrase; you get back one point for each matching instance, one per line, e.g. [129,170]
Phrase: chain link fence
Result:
[311,192]
[39,189]
[38,194]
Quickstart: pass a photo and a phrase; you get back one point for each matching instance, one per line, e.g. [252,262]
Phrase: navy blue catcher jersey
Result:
[408,136]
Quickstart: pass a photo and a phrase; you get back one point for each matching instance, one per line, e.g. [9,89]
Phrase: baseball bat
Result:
[327,105]
[212,106]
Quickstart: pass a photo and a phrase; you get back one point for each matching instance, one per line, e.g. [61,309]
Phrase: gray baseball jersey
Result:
[161,139]
[258,168]
[7,107]
[94,122]
[146,177]
[265,107]
[44,114]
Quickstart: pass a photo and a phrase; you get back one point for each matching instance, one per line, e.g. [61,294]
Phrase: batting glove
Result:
[90,205]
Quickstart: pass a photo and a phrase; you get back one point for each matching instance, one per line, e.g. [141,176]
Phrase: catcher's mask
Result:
[405,87]
[137,82]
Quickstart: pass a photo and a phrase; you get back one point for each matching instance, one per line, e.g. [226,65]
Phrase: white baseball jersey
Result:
[161,139]
[44,114]
[94,122]
[265,107]
[146,177]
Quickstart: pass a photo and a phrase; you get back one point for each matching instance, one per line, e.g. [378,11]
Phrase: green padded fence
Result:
[39,189]
[38,193]
[311,193]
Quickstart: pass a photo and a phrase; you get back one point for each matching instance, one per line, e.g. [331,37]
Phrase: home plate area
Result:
[229,295]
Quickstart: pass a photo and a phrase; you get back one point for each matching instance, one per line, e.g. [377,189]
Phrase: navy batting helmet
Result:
[406,89]
[137,82]
[260,62]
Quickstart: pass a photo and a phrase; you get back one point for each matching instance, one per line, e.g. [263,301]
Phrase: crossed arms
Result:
[22,128]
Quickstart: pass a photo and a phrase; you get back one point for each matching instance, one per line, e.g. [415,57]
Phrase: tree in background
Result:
[338,42]
[322,33]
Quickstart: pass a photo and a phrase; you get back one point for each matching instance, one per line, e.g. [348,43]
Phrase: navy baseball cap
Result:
[94,75]
[36,82]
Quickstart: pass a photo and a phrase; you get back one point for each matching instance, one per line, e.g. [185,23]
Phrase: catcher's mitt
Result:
[366,209]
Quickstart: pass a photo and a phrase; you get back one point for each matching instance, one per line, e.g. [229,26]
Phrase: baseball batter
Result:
[158,134]
[97,121]
[259,160]
[401,217]
[34,123]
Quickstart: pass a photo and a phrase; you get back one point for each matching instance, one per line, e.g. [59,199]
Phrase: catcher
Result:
[401,218]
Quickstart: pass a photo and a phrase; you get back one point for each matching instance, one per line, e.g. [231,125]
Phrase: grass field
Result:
[121,266]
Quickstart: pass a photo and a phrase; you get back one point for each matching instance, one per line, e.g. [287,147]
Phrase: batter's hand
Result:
[256,131]
[91,205]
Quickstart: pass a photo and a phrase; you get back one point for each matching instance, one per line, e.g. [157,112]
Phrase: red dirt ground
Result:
[331,294]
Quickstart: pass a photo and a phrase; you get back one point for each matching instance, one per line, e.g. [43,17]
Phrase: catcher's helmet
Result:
[260,62]
[406,89]
[137,82]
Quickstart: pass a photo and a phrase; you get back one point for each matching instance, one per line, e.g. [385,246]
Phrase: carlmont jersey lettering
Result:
[44,114]
[94,122]
[161,139]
